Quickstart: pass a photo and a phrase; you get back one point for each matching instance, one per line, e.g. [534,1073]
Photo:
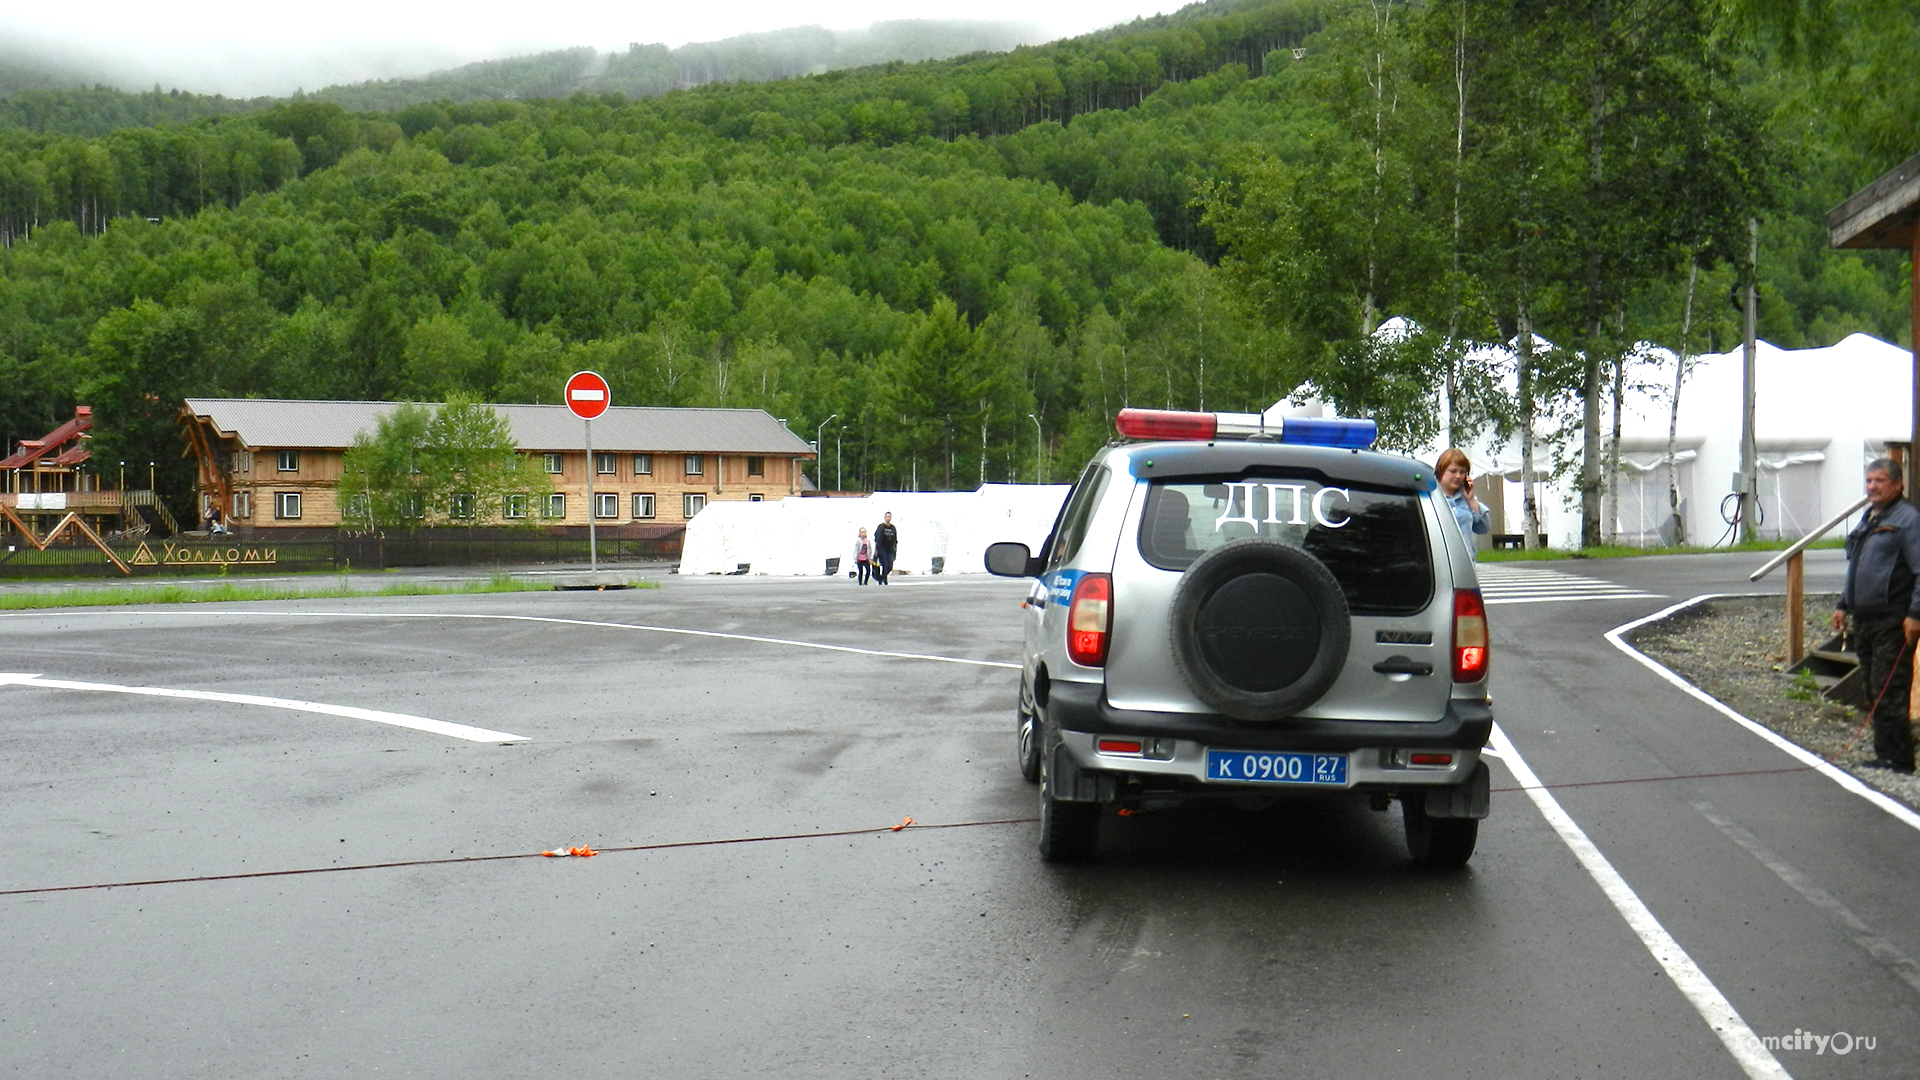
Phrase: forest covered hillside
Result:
[1201,212]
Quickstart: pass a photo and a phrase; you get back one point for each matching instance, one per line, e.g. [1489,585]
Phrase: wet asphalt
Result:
[1297,941]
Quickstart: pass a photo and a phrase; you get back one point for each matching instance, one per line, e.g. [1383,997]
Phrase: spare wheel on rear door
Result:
[1260,629]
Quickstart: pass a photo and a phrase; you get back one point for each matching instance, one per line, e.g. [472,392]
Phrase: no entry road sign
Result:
[587,395]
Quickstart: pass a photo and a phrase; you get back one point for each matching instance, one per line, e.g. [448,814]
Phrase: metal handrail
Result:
[1800,545]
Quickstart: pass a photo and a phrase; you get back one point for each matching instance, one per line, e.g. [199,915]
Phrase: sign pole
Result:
[593,548]
[588,396]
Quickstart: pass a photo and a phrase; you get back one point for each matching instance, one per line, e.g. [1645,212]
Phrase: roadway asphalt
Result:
[1294,942]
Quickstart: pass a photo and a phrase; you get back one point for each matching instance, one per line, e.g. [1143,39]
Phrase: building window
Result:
[694,503]
[243,504]
[643,505]
[557,505]
[604,464]
[290,461]
[513,506]
[756,465]
[553,463]
[243,462]
[286,505]
[695,465]
[756,498]
[606,504]
[460,506]
[643,464]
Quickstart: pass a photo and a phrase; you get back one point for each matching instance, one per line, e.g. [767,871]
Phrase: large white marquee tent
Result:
[797,537]
[1819,416]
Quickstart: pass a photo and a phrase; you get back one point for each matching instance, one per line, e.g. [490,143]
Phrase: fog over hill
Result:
[239,52]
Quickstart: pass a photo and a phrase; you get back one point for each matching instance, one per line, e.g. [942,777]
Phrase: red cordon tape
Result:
[581,852]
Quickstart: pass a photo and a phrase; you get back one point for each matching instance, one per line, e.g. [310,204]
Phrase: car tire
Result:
[1027,732]
[1069,831]
[1439,843]
[1260,629]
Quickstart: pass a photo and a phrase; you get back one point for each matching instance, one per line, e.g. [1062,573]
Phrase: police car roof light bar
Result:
[1207,427]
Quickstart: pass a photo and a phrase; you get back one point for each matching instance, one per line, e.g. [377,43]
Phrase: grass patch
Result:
[1615,551]
[229,591]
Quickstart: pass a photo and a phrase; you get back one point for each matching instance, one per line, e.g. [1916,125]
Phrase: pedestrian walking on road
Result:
[1882,597]
[863,555]
[886,543]
[1455,475]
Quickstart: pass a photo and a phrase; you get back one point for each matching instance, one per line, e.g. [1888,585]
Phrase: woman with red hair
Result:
[1455,475]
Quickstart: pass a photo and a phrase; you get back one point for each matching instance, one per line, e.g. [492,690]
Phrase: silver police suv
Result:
[1244,608]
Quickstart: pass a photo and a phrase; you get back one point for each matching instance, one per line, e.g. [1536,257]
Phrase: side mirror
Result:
[1012,560]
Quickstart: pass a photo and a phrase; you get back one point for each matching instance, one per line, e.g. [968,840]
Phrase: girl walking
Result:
[863,555]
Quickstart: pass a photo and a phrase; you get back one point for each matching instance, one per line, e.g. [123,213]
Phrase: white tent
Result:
[1819,416]
[797,536]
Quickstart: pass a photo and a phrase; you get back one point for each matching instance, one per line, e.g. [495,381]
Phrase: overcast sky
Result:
[250,47]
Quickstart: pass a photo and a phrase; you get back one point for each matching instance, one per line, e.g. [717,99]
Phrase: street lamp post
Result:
[1039,456]
[818,434]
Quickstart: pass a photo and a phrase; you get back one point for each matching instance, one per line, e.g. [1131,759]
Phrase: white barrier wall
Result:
[795,537]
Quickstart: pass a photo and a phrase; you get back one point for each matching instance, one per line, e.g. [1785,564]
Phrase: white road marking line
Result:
[1533,586]
[201,613]
[1707,1000]
[417,723]
[1813,761]
[1877,946]
[1492,600]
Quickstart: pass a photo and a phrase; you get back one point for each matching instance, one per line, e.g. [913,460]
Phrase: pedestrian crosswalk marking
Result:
[1535,585]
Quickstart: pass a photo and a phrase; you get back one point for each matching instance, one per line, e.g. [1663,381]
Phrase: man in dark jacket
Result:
[1882,595]
[886,543]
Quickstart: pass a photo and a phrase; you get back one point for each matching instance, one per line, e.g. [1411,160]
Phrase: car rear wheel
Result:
[1069,831]
[1437,842]
[1260,629]
[1027,727]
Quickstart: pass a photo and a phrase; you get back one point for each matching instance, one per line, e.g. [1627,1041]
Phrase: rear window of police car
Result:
[1373,539]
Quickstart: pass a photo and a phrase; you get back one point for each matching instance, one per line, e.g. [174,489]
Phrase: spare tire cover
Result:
[1260,629]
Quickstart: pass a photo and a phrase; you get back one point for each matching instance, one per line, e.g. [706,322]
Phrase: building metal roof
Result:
[73,431]
[298,425]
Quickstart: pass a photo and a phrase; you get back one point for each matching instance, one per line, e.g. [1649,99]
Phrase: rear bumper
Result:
[1174,745]
[1083,708]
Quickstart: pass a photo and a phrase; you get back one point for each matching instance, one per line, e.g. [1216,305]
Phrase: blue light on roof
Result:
[1343,434]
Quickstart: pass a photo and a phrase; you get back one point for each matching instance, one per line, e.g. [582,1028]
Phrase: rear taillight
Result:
[1089,617]
[1469,636]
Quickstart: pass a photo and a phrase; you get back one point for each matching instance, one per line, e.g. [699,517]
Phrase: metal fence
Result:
[314,550]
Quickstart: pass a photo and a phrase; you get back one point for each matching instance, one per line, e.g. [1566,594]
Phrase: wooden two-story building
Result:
[278,464]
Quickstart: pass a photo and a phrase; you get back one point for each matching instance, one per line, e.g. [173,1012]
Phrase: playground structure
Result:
[49,493]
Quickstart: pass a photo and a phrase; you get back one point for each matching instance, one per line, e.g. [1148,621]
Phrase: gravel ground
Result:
[1736,650]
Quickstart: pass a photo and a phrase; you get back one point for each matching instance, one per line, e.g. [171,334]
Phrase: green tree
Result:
[473,469]
[384,481]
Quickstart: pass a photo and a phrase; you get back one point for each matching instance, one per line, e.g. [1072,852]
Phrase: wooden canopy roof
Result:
[1884,214]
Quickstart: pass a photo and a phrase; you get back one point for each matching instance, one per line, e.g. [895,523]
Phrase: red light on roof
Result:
[1164,424]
